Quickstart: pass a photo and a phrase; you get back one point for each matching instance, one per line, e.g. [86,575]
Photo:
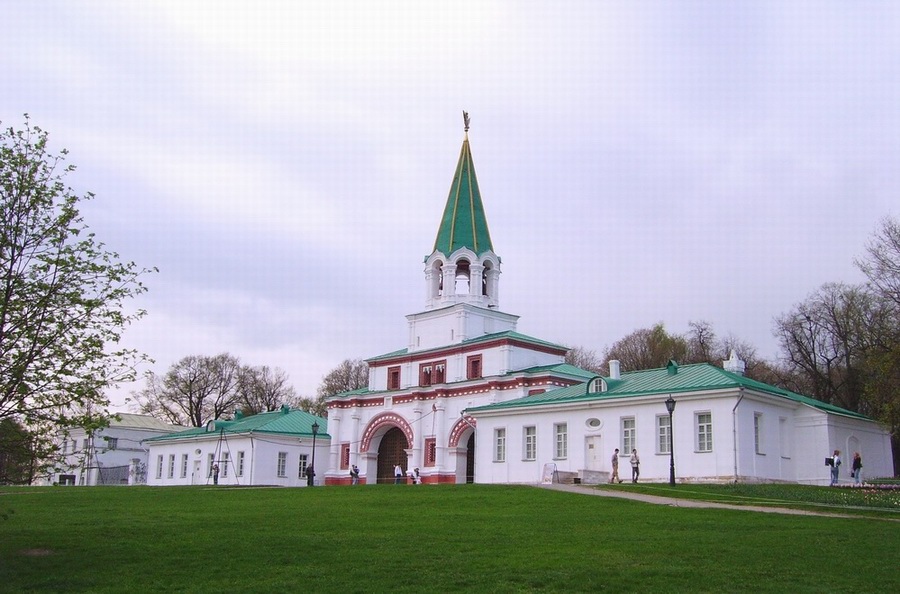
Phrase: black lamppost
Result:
[670,406]
[311,472]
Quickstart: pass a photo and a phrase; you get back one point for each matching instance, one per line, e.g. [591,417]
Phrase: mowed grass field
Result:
[462,538]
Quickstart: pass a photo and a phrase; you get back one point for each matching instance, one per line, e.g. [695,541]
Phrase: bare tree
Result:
[193,391]
[824,338]
[262,389]
[351,374]
[584,358]
[647,348]
[882,266]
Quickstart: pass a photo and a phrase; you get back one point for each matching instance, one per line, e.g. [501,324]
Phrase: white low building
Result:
[271,448]
[113,455]
[724,427]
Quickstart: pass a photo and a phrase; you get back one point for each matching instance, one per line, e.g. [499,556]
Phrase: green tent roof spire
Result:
[464,223]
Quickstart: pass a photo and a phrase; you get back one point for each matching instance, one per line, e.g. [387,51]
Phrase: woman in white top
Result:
[635,466]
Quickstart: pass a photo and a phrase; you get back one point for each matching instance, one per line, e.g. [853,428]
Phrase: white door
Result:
[195,476]
[593,455]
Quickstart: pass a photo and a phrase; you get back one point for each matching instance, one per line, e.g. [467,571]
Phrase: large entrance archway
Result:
[391,451]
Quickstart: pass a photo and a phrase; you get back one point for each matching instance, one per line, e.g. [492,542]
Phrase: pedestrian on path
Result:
[835,467]
[856,469]
[635,466]
[615,467]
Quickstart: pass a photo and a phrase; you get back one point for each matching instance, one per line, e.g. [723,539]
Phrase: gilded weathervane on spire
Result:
[466,120]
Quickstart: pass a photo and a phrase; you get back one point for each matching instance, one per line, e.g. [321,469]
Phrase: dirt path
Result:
[673,502]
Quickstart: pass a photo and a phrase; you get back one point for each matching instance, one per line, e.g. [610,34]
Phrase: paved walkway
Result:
[673,502]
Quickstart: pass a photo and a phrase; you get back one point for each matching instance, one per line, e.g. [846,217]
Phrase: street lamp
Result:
[311,472]
[670,406]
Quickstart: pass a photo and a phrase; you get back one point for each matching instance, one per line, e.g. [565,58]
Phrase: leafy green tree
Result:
[17,454]
[62,293]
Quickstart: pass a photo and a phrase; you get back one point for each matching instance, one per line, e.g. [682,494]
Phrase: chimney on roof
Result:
[672,367]
[615,369]
[734,365]
[238,415]
[285,409]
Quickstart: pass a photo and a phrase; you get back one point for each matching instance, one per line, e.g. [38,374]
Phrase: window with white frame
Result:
[184,465]
[757,432]
[240,464]
[282,464]
[159,465]
[302,466]
[225,459]
[561,430]
[663,434]
[171,473]
[112,443]
[529,448]
[500,444]
[704,432]
[210,461]
[628,435]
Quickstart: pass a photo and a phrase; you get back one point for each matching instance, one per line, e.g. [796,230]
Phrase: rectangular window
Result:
[345,456]
[628,435]
[226,457]
[112,443]
[704,432]
[302,466]
[784,439]
[430,451]
[500,445]
[159,465]
[393,378]
[210,461]
[757,429]
[425,374]
[663,434]
[282,464]
[240,464]
[473,367]
[65,447]
[85,444]
[562,441]
[184,464]
[529,448]
[171,465]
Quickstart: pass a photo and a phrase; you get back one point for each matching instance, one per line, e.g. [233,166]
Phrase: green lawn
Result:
[423,538]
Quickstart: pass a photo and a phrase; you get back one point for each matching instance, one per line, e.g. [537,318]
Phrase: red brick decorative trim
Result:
[459,428]
[378,422]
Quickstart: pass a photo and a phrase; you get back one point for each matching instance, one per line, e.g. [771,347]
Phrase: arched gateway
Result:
[391,451]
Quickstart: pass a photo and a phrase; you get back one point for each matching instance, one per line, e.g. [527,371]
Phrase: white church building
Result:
[470,399]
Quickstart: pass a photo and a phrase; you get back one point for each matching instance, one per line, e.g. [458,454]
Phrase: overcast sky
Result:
[285,164]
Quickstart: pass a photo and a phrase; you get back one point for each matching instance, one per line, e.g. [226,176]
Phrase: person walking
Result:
[835,466]
[398,474]
[856,469]
[615,467]
[635,466]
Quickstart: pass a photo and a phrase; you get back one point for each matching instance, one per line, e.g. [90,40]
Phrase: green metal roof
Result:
[689,378]
[464,223]
[296,423]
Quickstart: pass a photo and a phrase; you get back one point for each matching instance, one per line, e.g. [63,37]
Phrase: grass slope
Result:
[414,539]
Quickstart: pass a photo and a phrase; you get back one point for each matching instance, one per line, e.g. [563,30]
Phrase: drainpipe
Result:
[734,431]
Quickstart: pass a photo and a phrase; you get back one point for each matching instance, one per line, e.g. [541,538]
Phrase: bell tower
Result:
[462,273]
[463,268]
